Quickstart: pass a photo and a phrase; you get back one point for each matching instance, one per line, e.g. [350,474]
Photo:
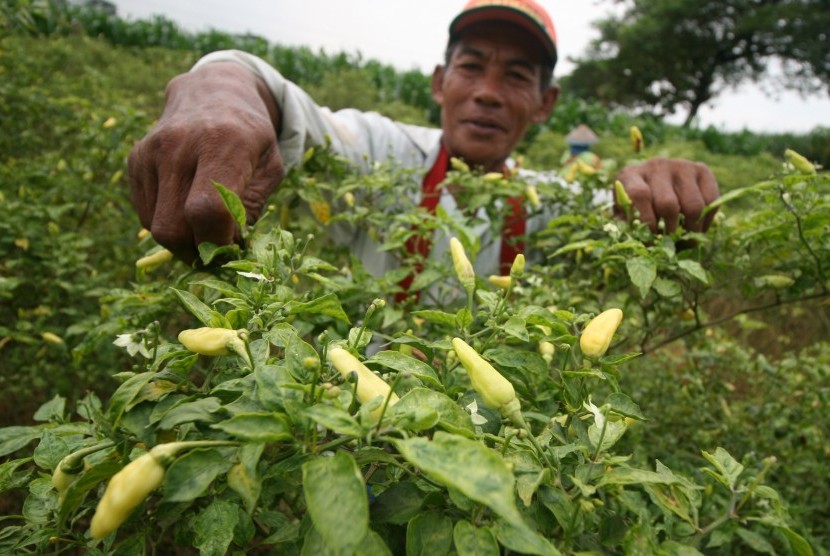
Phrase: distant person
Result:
[236,120]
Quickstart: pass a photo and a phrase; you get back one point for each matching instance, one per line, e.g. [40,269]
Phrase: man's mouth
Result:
[484,125]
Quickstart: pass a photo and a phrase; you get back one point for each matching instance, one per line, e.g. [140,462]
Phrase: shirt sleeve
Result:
[362,137]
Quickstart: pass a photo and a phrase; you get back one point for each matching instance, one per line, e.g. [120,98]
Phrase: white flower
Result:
[254,275]
[477,419]
[133,344]
[612,230]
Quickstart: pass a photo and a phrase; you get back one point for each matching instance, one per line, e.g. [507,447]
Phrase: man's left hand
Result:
[663,189]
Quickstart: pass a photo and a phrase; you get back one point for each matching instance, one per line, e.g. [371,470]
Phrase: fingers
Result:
[663,189]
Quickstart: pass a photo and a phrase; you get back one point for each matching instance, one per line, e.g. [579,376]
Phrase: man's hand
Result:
[219,124]
[664,189]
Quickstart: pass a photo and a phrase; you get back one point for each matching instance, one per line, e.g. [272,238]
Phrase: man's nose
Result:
[488,89]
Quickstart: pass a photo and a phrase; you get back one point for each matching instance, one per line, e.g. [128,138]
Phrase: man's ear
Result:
[438,84]
[546,106]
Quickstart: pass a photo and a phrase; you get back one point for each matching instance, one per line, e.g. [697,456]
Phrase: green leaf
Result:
[244,478]
[234,206]
[214,526]
[517,328]
[729,469]
[755,541]
[257,427]
[642,271]
[625,406]
[798,544]
[474,541]
[125,394]
[334,419]
[524,540]
[328,305]
[334,488]
[436,317]
[406,364]
[398,504]
[694,269]
[429,534]
[202,410]
[9,478]
[190,475]
[51,410]
[468,466]
[14,438]
[50,450]
[451,417]
[198,309]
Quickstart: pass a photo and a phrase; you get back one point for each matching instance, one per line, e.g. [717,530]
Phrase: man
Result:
[236,120]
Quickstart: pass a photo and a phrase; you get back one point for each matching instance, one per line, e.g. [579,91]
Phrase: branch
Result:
[721,320]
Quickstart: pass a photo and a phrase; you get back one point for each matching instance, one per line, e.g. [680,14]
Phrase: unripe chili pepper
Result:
[463,267]
[585,168]
[621,195]
[154,259]
[321,211]
[518,267]
[348,198]
[637,142]
[66,472]
[142,233]
[126,490]
[51,338]
[598,333]
[776,281]
[459,165]
[369,385]
[533,196]
[496,391]
[493,176]
[215,342]
[502,282]
[799,162]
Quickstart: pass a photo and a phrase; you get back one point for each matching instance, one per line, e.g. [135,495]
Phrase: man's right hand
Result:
[219,124]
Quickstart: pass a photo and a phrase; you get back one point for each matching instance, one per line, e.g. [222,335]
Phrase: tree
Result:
[667,55]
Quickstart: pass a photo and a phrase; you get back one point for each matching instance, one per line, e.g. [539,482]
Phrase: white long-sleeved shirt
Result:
[363,138]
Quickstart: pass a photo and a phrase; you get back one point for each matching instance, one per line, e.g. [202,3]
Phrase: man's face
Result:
[490,93]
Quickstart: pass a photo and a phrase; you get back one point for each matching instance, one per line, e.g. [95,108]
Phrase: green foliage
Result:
[663,55]
[668,452]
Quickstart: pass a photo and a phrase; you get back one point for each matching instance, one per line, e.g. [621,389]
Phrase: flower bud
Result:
[598,333]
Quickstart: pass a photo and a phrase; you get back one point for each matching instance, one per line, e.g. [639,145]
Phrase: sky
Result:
[412,34]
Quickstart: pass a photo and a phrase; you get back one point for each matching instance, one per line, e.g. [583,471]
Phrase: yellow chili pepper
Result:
[154,260]
[321,211]
[799,162]
[518,266]
[369,385]
[547,351]
[598,333]
[621,195]
[126,490]
[463,267]
[459,165]
[637,142]
[496,391]
[493,176]
[502,282]
[215,342]
[533,196]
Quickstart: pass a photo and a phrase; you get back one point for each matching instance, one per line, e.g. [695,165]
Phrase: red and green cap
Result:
[524,13]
